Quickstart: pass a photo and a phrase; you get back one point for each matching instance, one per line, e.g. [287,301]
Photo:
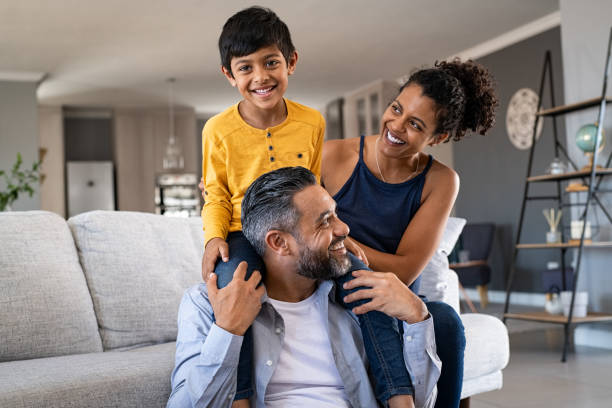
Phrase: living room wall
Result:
[19,132]
[585,31]
[493,171]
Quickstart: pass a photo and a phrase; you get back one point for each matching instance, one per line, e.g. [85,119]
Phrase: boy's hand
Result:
[356,250]
[236,305]
[201,186]
[215,248]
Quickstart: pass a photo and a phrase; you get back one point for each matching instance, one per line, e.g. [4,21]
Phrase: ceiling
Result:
[120,52]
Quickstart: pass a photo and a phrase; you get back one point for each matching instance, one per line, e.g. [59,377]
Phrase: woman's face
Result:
[408,124]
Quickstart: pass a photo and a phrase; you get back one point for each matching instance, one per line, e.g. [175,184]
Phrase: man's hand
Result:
[236,305]
[215,248]
[352,247]
[388,294]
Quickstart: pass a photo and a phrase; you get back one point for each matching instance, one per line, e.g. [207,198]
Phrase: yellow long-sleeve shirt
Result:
[235,154]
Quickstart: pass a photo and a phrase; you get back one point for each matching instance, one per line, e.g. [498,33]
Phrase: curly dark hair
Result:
[464,94]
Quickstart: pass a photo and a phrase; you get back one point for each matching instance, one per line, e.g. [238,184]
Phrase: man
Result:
[308,349]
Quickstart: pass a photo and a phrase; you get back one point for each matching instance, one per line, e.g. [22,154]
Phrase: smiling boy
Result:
[262,132]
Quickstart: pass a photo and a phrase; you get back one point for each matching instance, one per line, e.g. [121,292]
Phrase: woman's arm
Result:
[423,234]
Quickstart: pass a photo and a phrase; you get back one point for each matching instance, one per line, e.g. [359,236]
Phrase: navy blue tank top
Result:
[378,213]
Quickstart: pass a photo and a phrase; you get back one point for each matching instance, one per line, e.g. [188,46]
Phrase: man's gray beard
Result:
[315,265]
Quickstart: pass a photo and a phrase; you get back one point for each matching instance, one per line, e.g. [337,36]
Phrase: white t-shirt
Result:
[306,374]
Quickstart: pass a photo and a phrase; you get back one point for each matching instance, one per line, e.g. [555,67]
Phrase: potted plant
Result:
[18,181]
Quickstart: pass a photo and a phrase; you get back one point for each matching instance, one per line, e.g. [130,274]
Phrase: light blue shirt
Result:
[206,362]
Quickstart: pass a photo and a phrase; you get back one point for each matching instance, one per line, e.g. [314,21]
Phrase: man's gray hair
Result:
[268,204]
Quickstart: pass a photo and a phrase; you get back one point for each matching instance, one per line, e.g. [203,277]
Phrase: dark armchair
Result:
[477,240]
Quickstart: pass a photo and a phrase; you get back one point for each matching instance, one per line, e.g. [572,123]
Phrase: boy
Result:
[264,132]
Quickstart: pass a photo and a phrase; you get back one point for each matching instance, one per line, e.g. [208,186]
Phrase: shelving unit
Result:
[592,178]
[177,195]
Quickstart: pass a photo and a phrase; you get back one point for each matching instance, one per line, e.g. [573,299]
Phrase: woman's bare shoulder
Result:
[340,149]
[442,175]
[339,159]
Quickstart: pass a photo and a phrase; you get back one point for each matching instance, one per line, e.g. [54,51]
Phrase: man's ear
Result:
[292,62]
[228,74]
[277,242]
[439,138]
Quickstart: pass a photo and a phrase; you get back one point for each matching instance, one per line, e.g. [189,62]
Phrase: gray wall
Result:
[19,132]
[586,27]
[493,171]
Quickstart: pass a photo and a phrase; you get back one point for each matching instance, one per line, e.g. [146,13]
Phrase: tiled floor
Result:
[535,377]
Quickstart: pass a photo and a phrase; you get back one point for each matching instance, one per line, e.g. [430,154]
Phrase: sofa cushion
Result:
[138,378]
[45,307]
[137,267]
[434,275]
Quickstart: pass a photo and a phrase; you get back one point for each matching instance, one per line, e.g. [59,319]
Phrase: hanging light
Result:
[173,159]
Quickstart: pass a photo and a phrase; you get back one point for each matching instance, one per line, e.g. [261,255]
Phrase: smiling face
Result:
[261,78]
[320,237]
[409,124]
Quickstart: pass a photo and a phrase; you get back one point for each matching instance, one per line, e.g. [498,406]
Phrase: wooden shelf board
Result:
[568,175]
[548,318]
[600,244]
[560,110]
[467,264]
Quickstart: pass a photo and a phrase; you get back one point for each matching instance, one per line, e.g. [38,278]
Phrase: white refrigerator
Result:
[90,186]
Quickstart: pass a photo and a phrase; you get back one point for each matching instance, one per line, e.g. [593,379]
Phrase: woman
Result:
[397,199]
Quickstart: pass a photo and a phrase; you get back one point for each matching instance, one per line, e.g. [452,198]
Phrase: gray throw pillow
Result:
[45,307]
[137,267]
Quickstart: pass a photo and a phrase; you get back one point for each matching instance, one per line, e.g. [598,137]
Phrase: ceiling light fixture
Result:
[173,159]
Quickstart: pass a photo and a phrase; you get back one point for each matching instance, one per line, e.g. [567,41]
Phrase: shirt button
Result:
[278,330]
[408,338]
[269,134]
[230,397]
[270,148]
[269,363]
[299,155]
[271,159]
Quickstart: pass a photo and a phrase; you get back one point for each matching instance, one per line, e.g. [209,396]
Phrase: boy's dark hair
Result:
[251,29]
[268,204]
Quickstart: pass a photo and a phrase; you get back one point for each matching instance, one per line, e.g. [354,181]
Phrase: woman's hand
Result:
[388,294]
[352,246]
[215,248]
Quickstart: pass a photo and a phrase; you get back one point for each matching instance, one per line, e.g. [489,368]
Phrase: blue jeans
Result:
[450,346]
[381,338]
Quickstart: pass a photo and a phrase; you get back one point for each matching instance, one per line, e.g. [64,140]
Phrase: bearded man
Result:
[308,349]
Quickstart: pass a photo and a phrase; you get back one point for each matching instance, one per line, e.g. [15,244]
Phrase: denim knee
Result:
[447,324]
[239,250]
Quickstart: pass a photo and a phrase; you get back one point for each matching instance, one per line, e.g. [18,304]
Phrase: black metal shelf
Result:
[592,178]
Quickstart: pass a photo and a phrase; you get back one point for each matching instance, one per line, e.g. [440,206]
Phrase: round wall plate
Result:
[520,117]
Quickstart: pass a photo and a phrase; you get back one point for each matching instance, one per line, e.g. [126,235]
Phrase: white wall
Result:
[51,138]
[585,28]
[19,132]
[141,136]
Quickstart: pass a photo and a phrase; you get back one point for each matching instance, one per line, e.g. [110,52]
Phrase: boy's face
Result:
[261,77]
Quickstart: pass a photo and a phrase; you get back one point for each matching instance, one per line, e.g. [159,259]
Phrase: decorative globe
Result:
[585,138]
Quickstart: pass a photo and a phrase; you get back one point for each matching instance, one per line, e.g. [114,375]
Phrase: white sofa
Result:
[88,308]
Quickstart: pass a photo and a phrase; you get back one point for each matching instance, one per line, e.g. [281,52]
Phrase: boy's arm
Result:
[217,210]
[315,163]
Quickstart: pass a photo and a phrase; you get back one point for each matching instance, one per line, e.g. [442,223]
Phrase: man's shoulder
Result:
[305,114]
[196,298]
